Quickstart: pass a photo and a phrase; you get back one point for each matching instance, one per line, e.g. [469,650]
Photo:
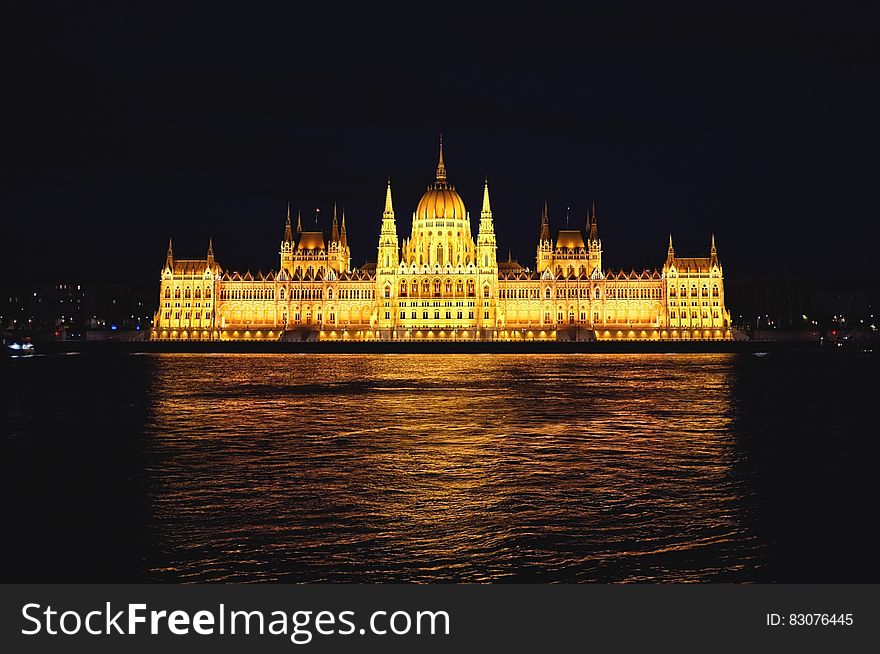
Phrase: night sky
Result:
[126,126]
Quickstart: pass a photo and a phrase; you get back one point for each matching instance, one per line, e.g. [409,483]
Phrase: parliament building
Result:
[439,283]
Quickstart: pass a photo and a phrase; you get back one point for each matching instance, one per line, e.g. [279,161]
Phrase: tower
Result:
[286,251]
[594,244]
[487,264]
[545,243]
[339,255]
[388,252]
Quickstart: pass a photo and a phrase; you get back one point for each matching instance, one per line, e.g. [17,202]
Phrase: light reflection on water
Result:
[445,468]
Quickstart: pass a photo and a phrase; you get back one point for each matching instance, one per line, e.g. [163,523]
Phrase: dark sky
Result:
[127,125]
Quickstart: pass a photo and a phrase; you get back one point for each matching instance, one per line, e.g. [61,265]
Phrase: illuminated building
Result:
[441,284]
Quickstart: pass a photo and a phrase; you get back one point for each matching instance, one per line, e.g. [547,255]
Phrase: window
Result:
[177,293]
[448,287]
[330,295]
[168,293]
[485,291]
[448,315]
[424,315]
[672,314]
[402,289]
[436,315]
[714,290]
[597,292]
[459,315]
[413,315]
[167,315]
[403,315]
[547,292]
[485,315]
[387,315]
[387,292]
[281,294]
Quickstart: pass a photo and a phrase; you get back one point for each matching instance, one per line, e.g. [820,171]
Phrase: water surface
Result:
[427,468]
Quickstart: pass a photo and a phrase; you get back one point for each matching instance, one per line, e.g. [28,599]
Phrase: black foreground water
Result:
[426,468]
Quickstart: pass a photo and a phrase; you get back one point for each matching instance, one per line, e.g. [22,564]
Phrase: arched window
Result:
[415,288]
[671,290]
[167,293]
[714,290]
[448,287]
[281,293]
[705,291]
[198,293]
[486,291]
[426,287]
[177,293]
[471,288]
[597,292]
[693,290]
[403,289]
[459,287]
[330,296]
[547,292]
[387,291]
[437,288]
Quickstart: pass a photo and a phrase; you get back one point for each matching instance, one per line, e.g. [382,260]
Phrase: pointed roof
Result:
[334,230]
[487,208]
[170,255]
[288,235]
[389,207]
[299,226]
[593,224]
[545,224]
[343,234]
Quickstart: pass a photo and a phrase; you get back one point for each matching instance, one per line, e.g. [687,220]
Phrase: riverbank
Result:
[434,347]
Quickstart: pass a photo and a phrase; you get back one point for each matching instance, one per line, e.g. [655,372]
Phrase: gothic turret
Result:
[594,245]
[388,246]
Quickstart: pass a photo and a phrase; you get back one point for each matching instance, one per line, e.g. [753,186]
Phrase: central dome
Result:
[441,200]
[441,230]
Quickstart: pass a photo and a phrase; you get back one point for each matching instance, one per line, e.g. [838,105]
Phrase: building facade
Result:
[440,283]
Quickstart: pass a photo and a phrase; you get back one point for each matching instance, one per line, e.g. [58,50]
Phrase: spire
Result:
[288,236]
[441,167]
[594,225]
[299,224]
[713,253]
[210,249]
[545,224]
[334,230]
[389,208]
[487,208]
[169,257]
[670,253]
[343,234]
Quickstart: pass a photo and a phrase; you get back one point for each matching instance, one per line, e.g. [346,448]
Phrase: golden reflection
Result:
[445,467]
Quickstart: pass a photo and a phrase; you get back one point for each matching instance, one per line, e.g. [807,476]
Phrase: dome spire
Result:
[441,167]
